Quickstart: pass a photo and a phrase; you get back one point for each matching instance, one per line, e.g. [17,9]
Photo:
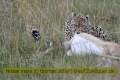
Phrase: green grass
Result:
[17,46]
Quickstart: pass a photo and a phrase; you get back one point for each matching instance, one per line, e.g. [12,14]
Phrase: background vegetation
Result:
[19,49]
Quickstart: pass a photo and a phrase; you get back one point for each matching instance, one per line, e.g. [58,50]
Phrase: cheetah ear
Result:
[73,14]
[87,16]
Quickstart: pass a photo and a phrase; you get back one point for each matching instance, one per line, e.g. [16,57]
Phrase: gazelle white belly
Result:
[82,46]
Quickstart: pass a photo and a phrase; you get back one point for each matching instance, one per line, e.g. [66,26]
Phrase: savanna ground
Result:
[19,49]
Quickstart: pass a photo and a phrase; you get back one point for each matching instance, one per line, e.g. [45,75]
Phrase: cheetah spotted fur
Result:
[79,20]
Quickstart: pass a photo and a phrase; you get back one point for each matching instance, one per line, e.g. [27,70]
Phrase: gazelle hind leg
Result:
[105,54]
[112,57]
[113,48]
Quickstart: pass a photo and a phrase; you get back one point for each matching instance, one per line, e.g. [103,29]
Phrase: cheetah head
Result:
[79,21]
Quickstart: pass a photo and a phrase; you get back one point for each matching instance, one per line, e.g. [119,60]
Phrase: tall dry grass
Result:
[17,46]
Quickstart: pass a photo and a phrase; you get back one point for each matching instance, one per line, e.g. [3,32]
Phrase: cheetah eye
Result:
[81,19]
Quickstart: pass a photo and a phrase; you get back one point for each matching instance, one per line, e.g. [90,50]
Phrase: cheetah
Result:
[68,30]
[78,20]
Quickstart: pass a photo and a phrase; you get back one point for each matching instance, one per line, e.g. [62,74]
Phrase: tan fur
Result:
[112,47]
[107,47]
